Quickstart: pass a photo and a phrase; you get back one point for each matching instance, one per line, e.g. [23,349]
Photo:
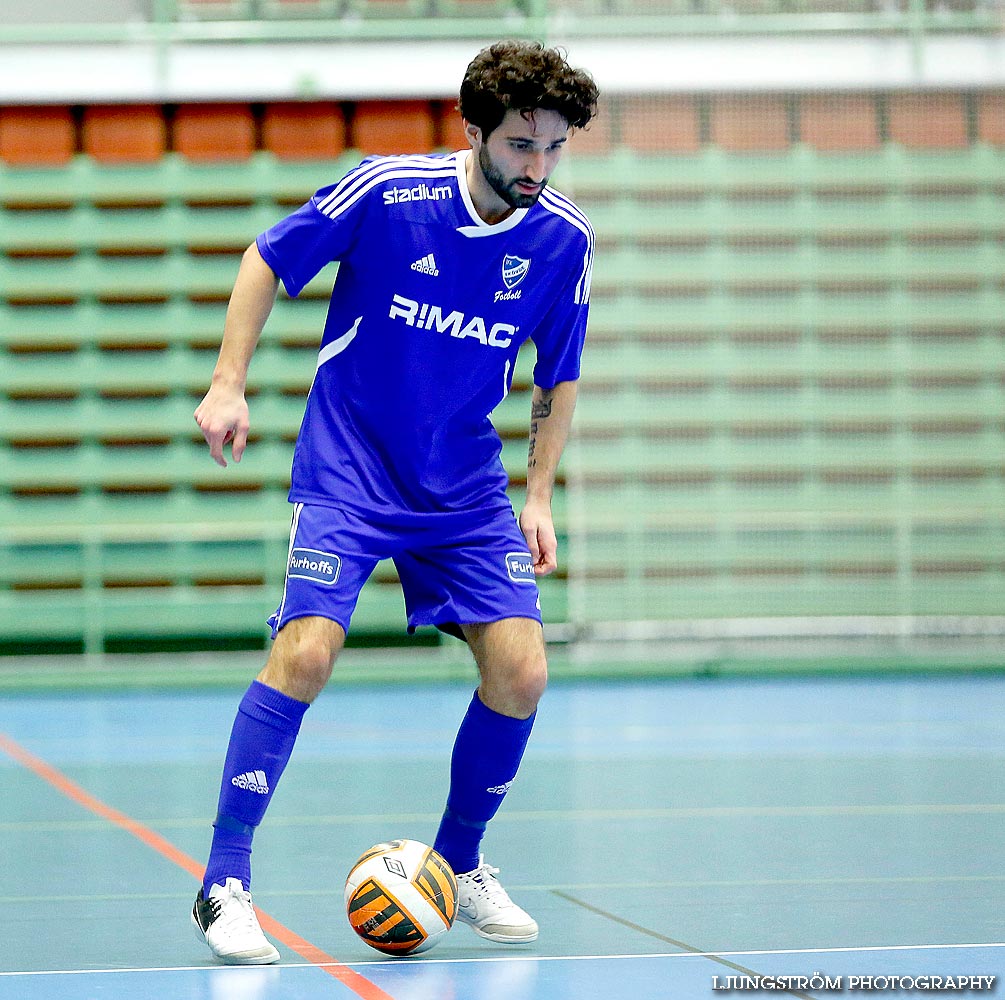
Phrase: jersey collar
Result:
[479,226]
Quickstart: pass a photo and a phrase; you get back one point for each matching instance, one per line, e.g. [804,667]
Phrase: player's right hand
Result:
[223,418]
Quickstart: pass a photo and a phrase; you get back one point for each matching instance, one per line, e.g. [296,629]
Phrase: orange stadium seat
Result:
[991,118]
[928,121]
[387,127]
[750,124]
[37,136]
[125,133]
[839,122]
[597,138]
[304,131]
[449,128]
[214,131]
[659,124]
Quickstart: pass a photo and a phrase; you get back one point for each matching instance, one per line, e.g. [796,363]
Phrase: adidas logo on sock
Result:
[426,265]
[252,781]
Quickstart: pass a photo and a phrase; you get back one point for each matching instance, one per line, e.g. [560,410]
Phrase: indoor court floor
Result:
[675,839]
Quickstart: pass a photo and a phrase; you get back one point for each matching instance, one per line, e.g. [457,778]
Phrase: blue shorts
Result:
[482,572]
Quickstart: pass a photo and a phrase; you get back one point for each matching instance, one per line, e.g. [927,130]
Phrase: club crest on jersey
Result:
[310,564]
[520,567]
[514,270]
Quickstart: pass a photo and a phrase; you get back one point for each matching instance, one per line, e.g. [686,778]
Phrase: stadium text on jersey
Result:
[421,193]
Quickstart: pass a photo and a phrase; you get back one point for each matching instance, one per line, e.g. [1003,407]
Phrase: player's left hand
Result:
[539,530]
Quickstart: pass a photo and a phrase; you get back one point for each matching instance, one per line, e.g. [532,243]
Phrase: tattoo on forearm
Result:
[540,410]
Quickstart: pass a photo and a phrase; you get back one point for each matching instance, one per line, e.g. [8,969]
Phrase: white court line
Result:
[758,883]
[520,958]
[583,815]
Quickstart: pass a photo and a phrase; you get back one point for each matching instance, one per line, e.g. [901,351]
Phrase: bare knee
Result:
[302,657]
[515,691]
[513,665]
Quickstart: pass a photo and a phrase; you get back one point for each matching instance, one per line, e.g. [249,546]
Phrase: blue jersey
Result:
[429,309]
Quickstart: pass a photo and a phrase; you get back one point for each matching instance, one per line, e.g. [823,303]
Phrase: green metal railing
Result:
[173,23]
[176,21]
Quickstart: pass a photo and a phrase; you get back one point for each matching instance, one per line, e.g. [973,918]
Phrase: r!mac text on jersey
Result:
[432,317]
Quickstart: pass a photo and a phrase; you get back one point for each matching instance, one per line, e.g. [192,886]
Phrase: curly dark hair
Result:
[525,77]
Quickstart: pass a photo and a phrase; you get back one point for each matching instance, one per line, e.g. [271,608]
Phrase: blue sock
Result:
[261,742]
[486,757]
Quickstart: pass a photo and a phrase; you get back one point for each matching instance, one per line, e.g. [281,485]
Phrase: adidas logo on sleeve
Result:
[426,265]
[252,781]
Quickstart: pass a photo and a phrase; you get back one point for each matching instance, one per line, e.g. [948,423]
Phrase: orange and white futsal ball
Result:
[401,897]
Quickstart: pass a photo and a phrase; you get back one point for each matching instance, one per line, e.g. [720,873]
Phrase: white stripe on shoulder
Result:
[336,208]
[366,171]
[583,289]
[359,174]
[564,209]
[550,195]
[386,168]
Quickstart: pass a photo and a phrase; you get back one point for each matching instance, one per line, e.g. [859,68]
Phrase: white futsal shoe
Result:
[226,921]
[485,905]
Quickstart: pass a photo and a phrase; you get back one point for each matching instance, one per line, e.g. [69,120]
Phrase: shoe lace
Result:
[237,917]
[488,886]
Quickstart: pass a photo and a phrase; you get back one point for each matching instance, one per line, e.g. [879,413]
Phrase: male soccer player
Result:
[447,263]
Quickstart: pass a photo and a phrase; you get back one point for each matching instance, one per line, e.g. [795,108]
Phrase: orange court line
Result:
[359,984]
